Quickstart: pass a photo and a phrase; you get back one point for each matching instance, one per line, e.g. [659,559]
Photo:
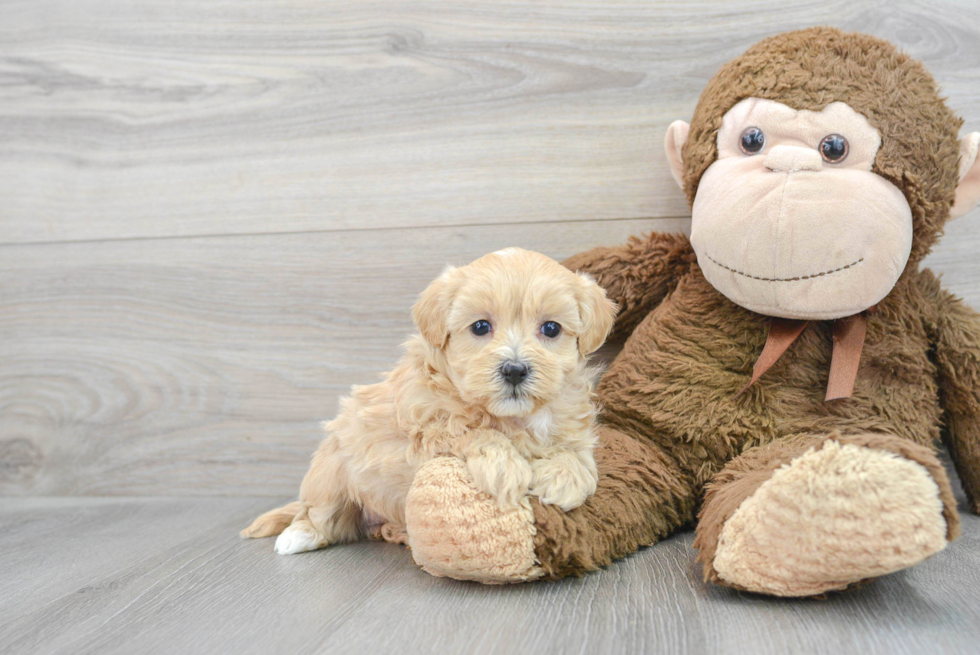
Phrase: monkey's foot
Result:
[456,531]
[830,518]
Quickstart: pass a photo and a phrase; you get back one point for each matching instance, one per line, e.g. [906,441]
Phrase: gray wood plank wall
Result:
[214,216]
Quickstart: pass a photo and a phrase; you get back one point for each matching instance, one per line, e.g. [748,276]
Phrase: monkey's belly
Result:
[676,381]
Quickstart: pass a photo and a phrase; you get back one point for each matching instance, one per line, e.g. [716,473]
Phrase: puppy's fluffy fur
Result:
[449,395]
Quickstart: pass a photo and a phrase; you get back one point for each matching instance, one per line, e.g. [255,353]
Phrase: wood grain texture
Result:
[150,575]
[214,217]
[203,366]
[152,118]
[146,362]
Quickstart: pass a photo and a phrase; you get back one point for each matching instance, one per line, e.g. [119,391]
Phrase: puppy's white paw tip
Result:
[566,503]
[566,484]
[298,539]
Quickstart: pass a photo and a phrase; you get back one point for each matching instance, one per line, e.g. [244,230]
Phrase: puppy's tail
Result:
[272,523]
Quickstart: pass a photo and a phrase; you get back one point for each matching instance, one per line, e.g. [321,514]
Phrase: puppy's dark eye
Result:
[480,328]
[551,329]
[752,140]
[834,148]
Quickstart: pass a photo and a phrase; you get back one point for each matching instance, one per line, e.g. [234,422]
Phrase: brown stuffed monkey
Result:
[788,369]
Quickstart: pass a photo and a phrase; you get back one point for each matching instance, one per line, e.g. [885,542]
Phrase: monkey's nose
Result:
[514,373]
[792,159]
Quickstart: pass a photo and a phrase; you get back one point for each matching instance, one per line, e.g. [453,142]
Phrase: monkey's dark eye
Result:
[550,329]
[834,148]
[752,141]
[480,328]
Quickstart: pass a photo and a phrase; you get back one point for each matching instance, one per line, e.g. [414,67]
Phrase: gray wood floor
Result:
[214,216]
[170,575]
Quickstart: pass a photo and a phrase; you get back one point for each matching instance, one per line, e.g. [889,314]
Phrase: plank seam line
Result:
[392,228]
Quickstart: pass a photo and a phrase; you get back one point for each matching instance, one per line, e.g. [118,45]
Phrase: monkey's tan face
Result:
[791,221]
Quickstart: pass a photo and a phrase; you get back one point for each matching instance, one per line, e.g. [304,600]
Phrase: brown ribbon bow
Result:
[844,360]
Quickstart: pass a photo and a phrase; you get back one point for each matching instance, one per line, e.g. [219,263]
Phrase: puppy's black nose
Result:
[514,373]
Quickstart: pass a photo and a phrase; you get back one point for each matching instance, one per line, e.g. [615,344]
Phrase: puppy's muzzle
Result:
[514,373]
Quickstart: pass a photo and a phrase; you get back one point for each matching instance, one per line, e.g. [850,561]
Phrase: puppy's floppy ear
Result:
[597,313]
[432,308]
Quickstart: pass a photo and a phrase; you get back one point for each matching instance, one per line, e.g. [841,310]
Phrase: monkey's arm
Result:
[957,335]
[638,274]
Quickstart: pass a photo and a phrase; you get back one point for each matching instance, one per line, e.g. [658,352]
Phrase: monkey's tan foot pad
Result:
[458,532]
[831,518]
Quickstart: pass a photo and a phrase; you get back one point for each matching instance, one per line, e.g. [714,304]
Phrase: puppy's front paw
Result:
[500,471]
[564,480]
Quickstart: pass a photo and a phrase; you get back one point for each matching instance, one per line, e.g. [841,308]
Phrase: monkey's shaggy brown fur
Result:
[672,425]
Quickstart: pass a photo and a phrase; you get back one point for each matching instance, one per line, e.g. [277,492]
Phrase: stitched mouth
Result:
[786,279]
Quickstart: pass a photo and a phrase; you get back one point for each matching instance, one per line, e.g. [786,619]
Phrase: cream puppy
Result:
[496,376]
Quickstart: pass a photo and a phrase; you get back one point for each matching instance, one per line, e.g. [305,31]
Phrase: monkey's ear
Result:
[597,313]
[673,142]
[432,308]
[968,190]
